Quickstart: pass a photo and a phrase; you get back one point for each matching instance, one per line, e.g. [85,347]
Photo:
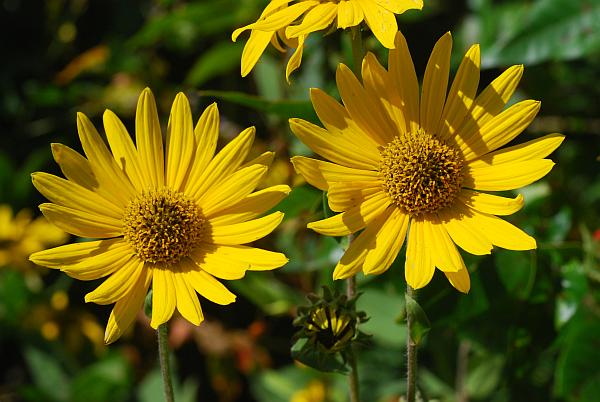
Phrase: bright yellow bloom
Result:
[174,219]
[20,235]
[292,23]
[423,167]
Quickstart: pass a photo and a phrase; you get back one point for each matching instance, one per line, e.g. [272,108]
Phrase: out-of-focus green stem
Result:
[163,357]
[358,49]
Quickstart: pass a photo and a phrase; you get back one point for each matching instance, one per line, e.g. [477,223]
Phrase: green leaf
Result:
[108,379]
[420,323]
[517,271]
[47,374]
[484,378]
[271,295]
[151,389]
[216,61]
[383,309]
[285,109]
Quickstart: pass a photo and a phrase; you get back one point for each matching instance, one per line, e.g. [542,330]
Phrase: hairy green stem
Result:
[411,354]
[163,357]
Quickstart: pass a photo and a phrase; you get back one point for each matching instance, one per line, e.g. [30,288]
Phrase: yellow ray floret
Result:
[403,167]
[291,22]
[174,217]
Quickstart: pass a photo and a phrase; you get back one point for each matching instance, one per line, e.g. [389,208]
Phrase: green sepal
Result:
[420,323]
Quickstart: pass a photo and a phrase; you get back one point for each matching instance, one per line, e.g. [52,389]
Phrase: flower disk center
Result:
[162,226]
[421,174]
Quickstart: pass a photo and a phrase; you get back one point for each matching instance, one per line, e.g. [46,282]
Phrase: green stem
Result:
[163,357]
[353,378]
[411,354]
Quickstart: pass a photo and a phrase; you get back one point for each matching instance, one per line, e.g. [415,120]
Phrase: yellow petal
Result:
[265,159]
[489,103]
[74,166]
[252,206]
[81,223]
[366,110]
[271,8]
[148,138]
[381,21]
[75,253]
[337,148]
[127,308]
[491,204]
[207,135]
[164,299]
[354,258]
[245,232]
[224,163]
[69,194]
[254,48]
[400,6]
[388,242]
[501,129]
[180,143]
[502,233]
[534,149]
[462,93]
[231,190]
[507,176]
[296,58]
[464,230]
[123,149]
[319,17]
[350,14]
[460,280]
[209,287]
[354,219]
[419,266]
[435,84]
[343,196]
[187,299]
[338,122]
[118,284]
[319,173]
[103,164]
[283,17]
[404,82]
[101,263]
[444,254]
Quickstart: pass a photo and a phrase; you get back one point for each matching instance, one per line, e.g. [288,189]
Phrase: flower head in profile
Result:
[404,165]
[286,23]
[21,235]
[174,219]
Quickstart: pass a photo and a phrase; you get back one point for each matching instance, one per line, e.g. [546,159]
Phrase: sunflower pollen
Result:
[421,174]
[162,226]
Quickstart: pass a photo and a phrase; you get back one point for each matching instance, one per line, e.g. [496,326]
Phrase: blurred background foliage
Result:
[528,331]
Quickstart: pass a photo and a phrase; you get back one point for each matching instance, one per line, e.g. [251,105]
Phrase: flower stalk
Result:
[163,357]
[411,353]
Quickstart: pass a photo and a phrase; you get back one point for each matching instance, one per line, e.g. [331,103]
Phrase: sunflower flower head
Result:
[286,23]
[327,330]
[403,164]
[174,217]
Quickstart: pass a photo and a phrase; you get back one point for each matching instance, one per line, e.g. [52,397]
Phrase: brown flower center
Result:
[421,174]
[162,226]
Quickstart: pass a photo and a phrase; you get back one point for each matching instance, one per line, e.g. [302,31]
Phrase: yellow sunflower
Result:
[403,166]
[290,22]
[174,219]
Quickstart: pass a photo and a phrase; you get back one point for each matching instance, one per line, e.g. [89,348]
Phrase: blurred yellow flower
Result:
[174,219]
[315,391]
[21,235]
[291,22]
[399,161]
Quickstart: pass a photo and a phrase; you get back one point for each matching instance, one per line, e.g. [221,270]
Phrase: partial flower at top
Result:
[290,22]
[173,219]
[422,166]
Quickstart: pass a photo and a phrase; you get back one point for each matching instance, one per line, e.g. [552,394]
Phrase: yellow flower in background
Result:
[175,219]
[291,22]
[422,166]
[315,391]
[21,235]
